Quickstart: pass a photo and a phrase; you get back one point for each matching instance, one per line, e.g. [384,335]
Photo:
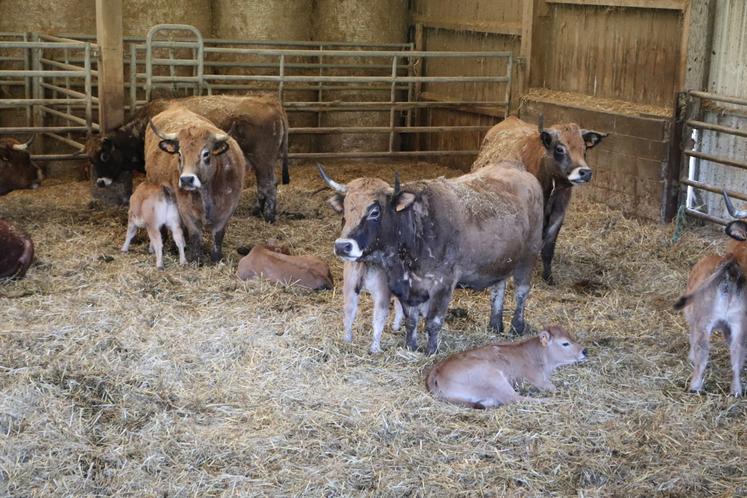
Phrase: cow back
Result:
[305,271]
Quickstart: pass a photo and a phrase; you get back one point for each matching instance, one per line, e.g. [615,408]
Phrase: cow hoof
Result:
[375,350]
[548,278]
[160,268]
[412,346]
[431,350]
[496,328]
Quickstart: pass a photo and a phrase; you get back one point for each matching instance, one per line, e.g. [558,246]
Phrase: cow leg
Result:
[351,296]
[497,296]
[178,236]
[737,353]
[377,285]
[438,305]
[154,233]
[554,220]
[131,232]
[699,346]
[217,252]
[522,284]
[264,169]
[194,235]
[412,317]
[398,314]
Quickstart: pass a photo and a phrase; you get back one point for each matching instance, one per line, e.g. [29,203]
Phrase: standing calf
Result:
[152,207]
[485,377]
[716,299]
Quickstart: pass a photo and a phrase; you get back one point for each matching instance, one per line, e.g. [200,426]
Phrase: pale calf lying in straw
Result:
[152,207]
[485,377]
[716,299]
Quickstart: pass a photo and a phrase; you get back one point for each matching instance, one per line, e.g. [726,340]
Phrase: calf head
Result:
[737,228]
[560,348]
[111,154]
[369,207]
[17,170]
[566,146]
[197,147]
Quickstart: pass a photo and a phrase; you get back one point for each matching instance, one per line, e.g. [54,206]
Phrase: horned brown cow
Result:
[487,376]
[16,251]
[305,271]
[716,299]
[17,171]
[555,155]
[204,167]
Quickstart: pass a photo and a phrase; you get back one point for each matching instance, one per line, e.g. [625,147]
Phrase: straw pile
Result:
[118,379]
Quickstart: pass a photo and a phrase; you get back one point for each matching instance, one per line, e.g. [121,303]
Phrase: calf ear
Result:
[403,201]
[737,230]
[170,146]
[337,203]
[592,138]
[545,338]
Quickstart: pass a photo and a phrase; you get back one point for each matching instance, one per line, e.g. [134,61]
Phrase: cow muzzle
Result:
[580,175]
[189,182]
[103,181]
[348,249]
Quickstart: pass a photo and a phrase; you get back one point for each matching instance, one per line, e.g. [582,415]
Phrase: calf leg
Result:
[554,215]
[699,346]
[178,236]
[131,232]
[380,313]
[351,296]
[497,296]
[737,353]
[154,233]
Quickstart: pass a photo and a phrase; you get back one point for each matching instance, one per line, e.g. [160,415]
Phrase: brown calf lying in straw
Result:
[152,207]
[486,377]
[16,251]
[716,299]
[305,271]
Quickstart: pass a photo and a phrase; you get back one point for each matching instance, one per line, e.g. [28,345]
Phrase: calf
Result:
[153,207]
[16,251]
[305,271]
[204,167]
[486,377]
[475,230]
[716,299]
[555,155]
[17,171]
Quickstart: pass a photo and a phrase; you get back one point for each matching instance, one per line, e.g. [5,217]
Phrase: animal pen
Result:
[117,379]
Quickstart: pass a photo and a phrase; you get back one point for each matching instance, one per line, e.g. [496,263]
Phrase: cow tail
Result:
[284,145]
[727,273]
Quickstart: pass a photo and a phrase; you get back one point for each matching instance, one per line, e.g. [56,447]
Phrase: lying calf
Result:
[306,271]
[486,377]
[16,251]
[152,207]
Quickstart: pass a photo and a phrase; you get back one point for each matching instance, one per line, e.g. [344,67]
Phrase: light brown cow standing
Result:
[152,207]
[716,299]
[305,271]
[555,155]
[205,168]
[486,377]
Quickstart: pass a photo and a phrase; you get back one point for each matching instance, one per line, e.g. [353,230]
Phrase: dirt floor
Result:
[117,379]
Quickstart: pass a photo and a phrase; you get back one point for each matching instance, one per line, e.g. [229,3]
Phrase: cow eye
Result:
[205,155]
[104,156]
[566,344]
[374,214]
[560,150]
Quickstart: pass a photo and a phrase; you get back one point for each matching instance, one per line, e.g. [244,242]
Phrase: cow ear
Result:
[548,139]
[337,203]
[403,201]
[545,338]
[220,147]
[592,138]
[170,146]
[737,230]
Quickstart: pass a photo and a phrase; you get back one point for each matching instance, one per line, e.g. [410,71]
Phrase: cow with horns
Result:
[429,236]
[17,170]
[258,123]
[716,299]
[555,155]
[204,167]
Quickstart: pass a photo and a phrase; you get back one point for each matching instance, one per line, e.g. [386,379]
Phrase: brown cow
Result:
[153,207]
[204,167]
[555,155]
[716,299]
[16,251]
[486,377]
[305,271]
[17,171]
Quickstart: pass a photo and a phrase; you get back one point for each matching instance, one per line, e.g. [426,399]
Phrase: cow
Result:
[555,155]
[257,123]
[429,236]
[364,276]
[716,299]
[16,251]
[204,167]
[153,207]
[17,171]
[487,377]
[305,271]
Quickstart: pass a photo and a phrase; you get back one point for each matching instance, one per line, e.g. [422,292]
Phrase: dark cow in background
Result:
[555,155]
[17,171]
[475,230]
[16,251]
[257,123]
[203,165]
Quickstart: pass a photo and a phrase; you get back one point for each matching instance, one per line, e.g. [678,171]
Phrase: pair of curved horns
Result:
[341,188]
[165,136]
[25,145]
[734,213]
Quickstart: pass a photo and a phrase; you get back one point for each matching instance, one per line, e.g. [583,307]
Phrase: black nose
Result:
[187,181]
[585,174]
[585,352]
[343,248]
[100,183]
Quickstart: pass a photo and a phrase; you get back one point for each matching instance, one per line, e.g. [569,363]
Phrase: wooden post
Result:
[525,52]
[111,72]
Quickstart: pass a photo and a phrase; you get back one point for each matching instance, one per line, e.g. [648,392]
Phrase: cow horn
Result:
[24,145]
[220,137]
[397,186]
[169,136]
[541,123]
[340,188]
[735,213]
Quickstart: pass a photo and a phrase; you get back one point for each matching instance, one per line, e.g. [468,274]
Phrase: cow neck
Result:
[550,182]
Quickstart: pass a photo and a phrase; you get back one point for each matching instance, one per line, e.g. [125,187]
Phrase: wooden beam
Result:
[525,52]
[497,28]
[111,72]
[639,4]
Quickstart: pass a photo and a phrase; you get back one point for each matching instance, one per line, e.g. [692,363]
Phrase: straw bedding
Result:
[119,379]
